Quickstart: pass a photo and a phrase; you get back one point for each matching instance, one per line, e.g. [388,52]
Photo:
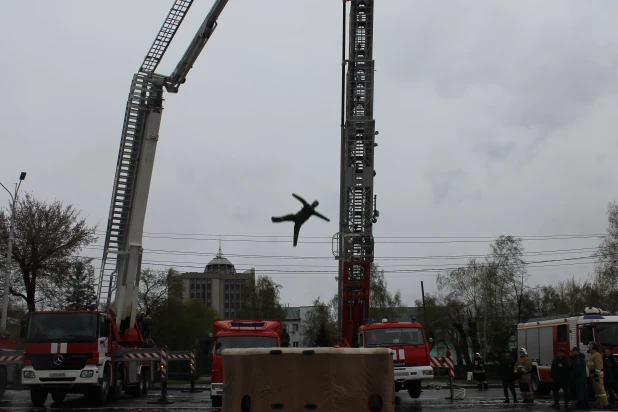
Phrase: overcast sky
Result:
[494,118]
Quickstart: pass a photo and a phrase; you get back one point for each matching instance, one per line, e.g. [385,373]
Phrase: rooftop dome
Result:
[220,265]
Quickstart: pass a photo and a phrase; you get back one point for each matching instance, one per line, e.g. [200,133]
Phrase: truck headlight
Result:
[29,374]
[86,374]
[426,373]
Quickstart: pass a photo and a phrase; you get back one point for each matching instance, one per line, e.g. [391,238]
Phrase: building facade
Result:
[295,316]
[219,286]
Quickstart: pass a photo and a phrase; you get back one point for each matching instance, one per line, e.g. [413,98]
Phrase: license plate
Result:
[57,375]
[401,374]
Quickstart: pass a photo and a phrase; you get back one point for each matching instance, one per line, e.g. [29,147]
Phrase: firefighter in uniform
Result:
[479,372]
[595,369]
[523,369]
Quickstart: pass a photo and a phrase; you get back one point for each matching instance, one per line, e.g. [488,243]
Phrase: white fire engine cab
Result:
[542,337]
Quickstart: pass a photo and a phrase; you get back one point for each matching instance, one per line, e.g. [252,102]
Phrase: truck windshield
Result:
[243,342]
[62,327]
[394,336]
[607,334]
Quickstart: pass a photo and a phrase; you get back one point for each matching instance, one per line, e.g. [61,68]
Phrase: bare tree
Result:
[47,236]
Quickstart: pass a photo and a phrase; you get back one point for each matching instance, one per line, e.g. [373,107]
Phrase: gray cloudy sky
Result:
[494,118]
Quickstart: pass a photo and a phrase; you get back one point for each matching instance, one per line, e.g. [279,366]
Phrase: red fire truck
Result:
[542,337]
[234,334]
[84,352]
[409,348]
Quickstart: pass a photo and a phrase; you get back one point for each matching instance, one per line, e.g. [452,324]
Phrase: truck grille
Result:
[69,361]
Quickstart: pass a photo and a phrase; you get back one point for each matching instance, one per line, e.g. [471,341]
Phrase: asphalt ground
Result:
[430,400]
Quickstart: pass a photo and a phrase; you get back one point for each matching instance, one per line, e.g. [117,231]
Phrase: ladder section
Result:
[167,32]
[145,95]
[359,134]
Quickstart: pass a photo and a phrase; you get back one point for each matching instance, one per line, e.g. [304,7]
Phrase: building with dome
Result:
[219,286]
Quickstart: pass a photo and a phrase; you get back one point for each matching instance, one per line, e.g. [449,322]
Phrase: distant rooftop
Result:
[221,265]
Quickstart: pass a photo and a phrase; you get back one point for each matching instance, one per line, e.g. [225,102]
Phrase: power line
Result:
[426,257]
[216,236]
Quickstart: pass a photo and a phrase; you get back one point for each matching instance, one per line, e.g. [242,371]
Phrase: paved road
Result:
[430,400]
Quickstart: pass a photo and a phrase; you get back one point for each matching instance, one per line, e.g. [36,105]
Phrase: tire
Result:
[58,397]
[116,391]
[414,389]
[136,390]
[38,396]
[146,382]
[100,393]
[217,401]
[3,381]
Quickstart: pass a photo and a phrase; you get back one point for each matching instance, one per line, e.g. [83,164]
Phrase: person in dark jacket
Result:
[507,374]
[560,374]
[609,367]
[479,372]
[579,377]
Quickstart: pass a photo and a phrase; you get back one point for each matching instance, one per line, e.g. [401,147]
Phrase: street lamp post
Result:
[9,252]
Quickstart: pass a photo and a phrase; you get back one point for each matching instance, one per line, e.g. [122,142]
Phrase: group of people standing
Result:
[569,374]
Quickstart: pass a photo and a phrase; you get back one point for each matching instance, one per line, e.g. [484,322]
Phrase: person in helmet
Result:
[595,370]
[301,216]
[479,372]
[523,369]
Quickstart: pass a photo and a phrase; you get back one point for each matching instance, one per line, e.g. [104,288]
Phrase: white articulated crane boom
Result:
[138,145]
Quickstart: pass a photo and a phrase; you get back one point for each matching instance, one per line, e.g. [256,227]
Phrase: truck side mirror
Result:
[23,328]
[107,325]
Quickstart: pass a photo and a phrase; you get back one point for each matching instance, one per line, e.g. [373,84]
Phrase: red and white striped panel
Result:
[150,355]
[193,362]
[436,362]
[164,364]
[182,356]
[10,358]
[448,362]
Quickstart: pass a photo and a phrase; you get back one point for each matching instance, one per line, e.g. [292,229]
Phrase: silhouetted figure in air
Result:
[301,216]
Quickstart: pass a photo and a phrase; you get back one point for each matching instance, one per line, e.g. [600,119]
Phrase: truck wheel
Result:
[3,381]
[100,393]
[116,390]
[58,397]
[146,382]
[136,390]
[216,401]
[38,396]
[414,389]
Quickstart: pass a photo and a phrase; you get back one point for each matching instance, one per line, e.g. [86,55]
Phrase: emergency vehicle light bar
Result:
[255,324]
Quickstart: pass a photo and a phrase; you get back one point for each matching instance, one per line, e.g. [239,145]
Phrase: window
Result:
[295,327]
[295,344]
[563,333]
[586,335]
[394,336]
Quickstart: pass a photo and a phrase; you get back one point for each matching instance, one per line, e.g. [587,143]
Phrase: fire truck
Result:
[101,352]
[235,334]
[542,337]
[409,347]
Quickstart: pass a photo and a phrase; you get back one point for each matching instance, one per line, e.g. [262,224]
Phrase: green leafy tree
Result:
[47,236]
[180,325]
[261,300]
[80,290]
[320,327]
[383,304]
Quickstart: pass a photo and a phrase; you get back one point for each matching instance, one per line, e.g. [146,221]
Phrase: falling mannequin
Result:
[301,216]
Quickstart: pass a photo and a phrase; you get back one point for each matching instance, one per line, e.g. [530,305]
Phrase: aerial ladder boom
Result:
[136,160]
[354,242]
